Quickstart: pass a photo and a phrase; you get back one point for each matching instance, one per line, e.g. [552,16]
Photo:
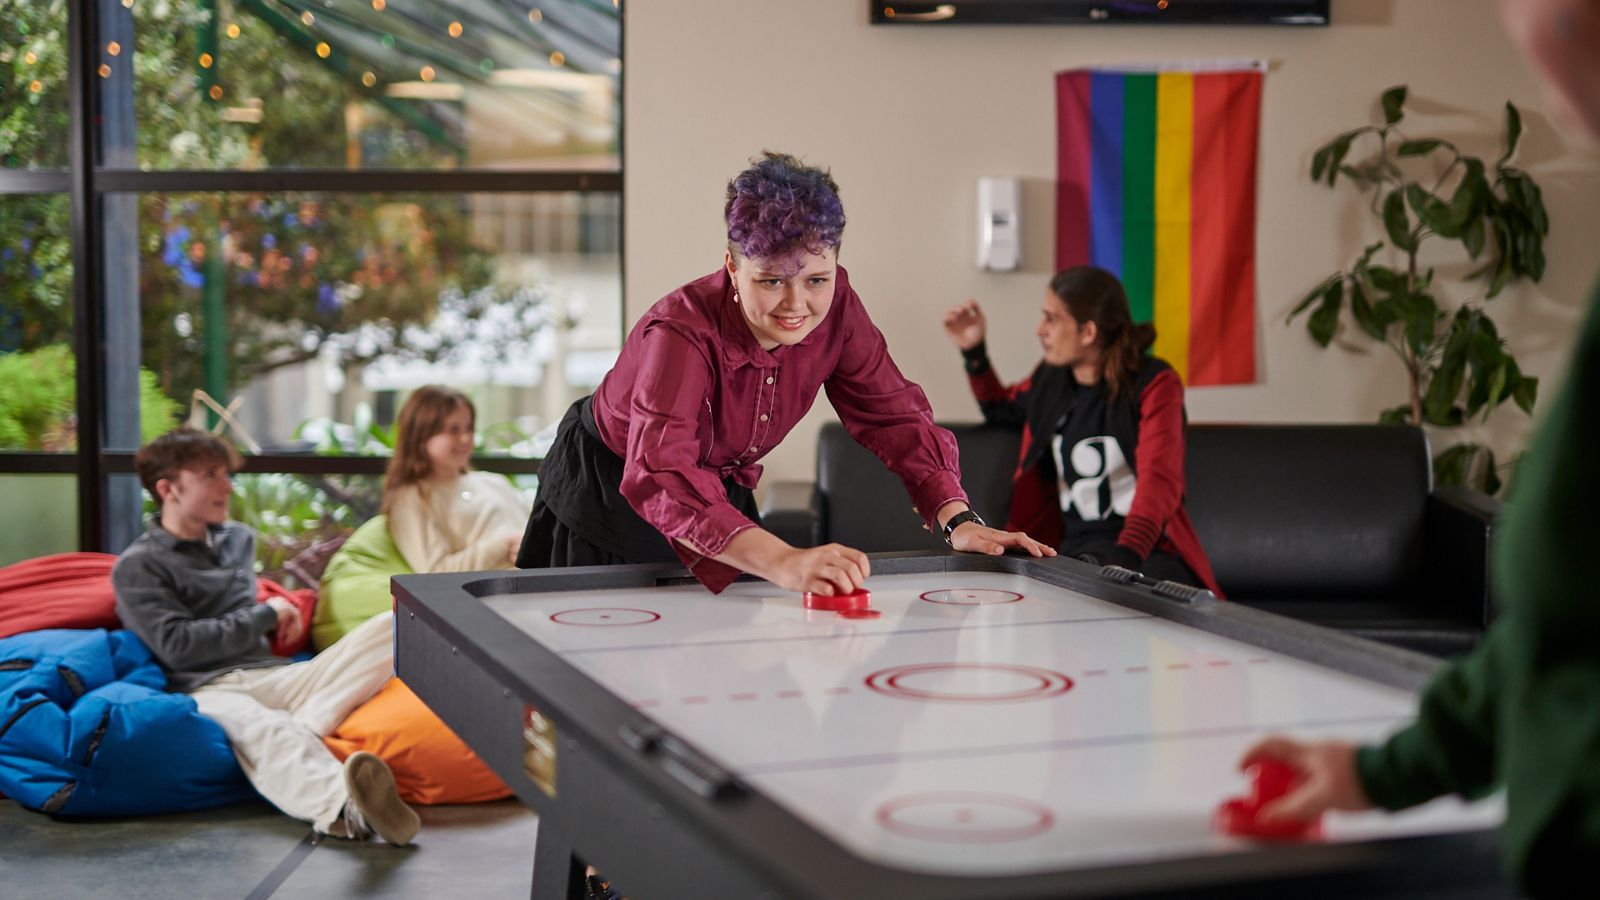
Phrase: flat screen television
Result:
[1095,12]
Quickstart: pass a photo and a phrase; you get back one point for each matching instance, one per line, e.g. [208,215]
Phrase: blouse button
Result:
[752,449]
[769,379]
[764,417]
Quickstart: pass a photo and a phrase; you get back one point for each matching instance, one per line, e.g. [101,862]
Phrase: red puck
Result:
[1269,780]
[838,602]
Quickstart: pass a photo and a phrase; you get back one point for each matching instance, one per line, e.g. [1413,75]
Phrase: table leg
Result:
[557,874]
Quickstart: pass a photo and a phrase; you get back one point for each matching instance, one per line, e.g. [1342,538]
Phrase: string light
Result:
[233,31]
[35,86]
[29,58]
[323,49]
[105,71]
[127,4]
[378,5]
[216,92]
[367,78]
[558,58]
[114,49]
[535,16]
[455,29]
[426,73]
[308,19]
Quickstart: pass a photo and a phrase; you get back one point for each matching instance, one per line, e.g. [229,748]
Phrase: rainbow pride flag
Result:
[1156,181]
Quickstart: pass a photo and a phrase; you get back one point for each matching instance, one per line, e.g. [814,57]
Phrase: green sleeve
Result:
[1450,748]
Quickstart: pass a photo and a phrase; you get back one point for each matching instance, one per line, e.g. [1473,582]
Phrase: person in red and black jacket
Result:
[1101,468]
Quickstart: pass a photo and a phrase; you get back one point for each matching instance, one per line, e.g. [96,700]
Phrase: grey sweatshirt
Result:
[194,604]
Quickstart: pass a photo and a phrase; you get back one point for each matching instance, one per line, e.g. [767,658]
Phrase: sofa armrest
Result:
[1460,524]
[793,512]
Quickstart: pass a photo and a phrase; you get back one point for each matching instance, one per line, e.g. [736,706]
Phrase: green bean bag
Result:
[355,586]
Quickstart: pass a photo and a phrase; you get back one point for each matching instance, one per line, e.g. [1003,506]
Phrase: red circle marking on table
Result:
[1036,819]
[888,681]
[607,610]
[970,597]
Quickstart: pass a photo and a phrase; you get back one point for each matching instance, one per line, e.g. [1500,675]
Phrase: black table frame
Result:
[660,832]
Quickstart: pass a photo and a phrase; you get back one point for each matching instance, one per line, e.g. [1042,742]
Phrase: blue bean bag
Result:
[87,728]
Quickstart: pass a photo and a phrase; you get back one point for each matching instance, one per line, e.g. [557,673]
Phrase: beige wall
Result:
[909,118]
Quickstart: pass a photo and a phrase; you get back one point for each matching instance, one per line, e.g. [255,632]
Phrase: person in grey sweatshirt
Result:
[187,588]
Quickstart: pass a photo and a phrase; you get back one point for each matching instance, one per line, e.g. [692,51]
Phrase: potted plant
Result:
[1456,363]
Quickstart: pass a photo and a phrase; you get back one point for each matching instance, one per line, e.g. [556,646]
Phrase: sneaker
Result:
[376,802]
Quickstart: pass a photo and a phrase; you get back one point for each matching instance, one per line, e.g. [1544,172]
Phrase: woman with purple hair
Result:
[660,463]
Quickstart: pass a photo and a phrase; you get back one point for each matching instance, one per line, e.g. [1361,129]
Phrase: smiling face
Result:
[784,299]
[449,450]
[196,497]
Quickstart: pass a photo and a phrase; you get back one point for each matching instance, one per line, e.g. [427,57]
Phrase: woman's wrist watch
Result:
[959,519]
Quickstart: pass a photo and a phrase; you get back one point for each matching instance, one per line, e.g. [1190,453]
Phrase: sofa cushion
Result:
[866,507]
[1312,511]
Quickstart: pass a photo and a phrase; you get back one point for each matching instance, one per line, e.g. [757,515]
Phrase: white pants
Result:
[277,717]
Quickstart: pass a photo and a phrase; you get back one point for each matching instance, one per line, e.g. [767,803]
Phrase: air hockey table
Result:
[1008,727]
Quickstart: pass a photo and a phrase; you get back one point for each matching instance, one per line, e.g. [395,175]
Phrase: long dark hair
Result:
[421,418]
[1095,295]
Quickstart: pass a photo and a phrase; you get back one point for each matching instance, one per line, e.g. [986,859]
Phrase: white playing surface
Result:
[971,736]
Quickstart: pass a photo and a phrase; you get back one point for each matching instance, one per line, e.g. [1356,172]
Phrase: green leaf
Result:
[1432,211]
[1394,101]
[1396,415]
[1310,298]
[1526,393]
[1445,384]
[1325,320]
[1453,465]
[1418,148]
[1363,313]
[1467,204]
[1385,279]
[1319,162]
[1422,317]
[1513,131]
[1396,222]
[1337,151]
[1474,236]
[1497,383]
[1491,473]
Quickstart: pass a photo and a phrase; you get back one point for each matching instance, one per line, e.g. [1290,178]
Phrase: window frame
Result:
[87,183]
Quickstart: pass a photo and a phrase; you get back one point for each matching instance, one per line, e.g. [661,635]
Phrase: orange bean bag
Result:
[430,764]
[67,590]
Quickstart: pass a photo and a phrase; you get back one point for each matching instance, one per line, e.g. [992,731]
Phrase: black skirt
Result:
[580,517]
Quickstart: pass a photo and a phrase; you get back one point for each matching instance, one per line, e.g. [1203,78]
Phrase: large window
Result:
[296,211]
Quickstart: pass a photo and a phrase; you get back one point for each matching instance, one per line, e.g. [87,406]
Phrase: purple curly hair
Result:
[781,206]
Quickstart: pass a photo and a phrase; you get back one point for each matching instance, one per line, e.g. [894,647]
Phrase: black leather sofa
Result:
[1334,524]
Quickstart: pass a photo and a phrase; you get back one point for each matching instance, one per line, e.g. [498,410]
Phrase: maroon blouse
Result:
[694,398]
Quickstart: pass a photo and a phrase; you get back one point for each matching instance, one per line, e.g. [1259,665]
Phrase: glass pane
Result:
[312,315]
[294,516]
[38,403]
[361,83]
[33,84]
[49,504]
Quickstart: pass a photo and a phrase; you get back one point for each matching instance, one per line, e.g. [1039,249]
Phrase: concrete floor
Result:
[252,851]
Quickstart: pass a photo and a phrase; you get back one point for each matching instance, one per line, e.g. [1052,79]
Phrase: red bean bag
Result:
[67,590]
[304,600]
[430,764]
